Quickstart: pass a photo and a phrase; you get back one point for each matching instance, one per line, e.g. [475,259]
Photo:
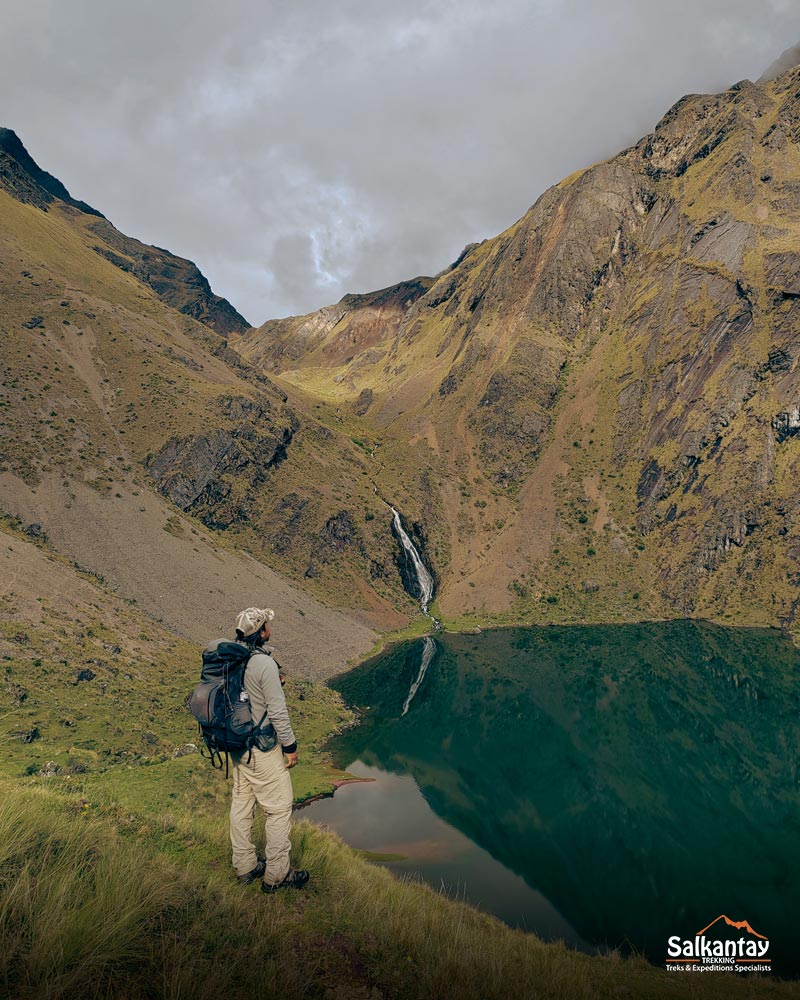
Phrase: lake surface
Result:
[606,786]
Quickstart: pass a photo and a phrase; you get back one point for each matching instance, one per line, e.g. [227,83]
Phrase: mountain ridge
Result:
[687,231]
[13,155]
[591,416]
[177,281]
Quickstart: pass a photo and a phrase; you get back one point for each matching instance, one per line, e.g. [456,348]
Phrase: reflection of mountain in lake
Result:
[643,777]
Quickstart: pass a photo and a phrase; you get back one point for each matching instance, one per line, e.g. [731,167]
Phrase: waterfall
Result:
[428,649]
[424,578]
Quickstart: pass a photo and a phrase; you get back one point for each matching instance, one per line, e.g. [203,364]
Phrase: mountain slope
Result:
[176,281]
[114,403]
[606,393]
[591,416]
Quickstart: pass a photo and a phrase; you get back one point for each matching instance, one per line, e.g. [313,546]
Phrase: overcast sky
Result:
[301,149]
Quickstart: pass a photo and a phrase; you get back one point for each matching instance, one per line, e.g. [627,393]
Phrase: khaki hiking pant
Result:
[266,782]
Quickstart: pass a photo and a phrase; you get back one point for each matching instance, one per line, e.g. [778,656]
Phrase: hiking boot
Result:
[257,872]
[296,878]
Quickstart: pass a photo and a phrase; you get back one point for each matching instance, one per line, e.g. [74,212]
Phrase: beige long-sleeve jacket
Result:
[263,686]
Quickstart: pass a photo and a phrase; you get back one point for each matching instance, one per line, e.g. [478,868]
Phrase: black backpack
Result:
[222,708]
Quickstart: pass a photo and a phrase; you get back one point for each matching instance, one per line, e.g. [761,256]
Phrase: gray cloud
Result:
[300,150]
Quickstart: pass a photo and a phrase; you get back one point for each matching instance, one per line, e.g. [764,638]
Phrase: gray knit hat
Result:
[251,620]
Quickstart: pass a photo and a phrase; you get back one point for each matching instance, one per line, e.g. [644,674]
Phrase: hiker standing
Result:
[262,777]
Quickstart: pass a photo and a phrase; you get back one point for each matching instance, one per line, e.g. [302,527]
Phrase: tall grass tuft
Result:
[75,901]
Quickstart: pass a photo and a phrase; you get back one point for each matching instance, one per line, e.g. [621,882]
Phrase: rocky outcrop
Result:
[331,544]
[176,281]
[787,423]
[731,529]
[215,474]
[363,403]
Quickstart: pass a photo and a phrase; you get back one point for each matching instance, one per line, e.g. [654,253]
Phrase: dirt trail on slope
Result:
[591,487]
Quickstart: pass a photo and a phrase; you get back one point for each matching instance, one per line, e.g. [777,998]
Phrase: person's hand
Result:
[291,759]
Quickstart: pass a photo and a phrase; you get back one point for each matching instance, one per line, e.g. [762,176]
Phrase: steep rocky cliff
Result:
[606,393]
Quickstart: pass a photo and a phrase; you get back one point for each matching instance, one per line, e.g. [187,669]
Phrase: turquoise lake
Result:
[606,786]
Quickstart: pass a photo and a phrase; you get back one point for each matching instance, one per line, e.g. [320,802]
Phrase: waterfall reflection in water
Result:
[428,649]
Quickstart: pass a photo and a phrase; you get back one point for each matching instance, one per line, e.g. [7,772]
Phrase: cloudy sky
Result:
[301,149]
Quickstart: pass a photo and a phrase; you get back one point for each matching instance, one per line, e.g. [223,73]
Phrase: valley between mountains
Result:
[592,416]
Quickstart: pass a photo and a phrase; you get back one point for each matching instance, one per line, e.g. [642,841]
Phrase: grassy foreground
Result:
[115,876]
[98,901]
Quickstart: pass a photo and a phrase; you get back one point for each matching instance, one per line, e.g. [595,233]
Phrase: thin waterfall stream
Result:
[424,577]
[425,582]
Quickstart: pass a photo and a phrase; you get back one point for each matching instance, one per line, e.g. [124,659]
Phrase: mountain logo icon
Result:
[735,924]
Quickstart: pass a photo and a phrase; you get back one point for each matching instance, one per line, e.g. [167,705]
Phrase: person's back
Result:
[262,682]
[262,775]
